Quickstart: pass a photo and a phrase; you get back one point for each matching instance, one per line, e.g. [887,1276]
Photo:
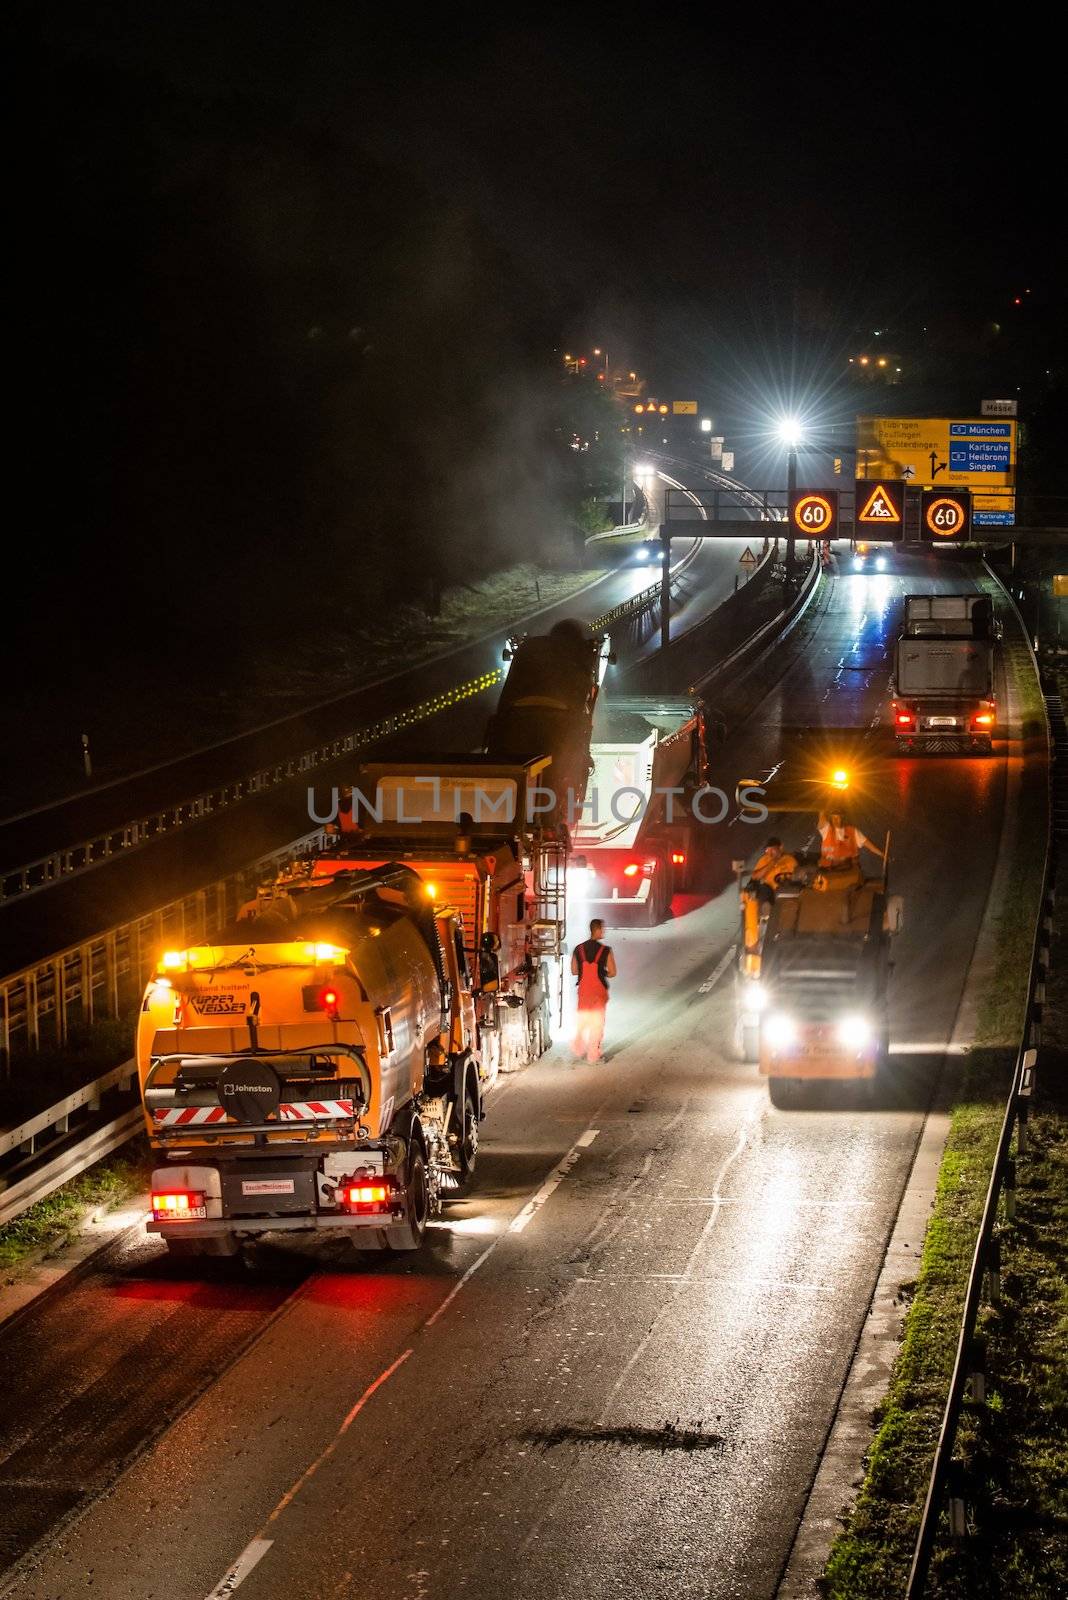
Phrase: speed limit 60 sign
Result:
[813,513]
[946,516]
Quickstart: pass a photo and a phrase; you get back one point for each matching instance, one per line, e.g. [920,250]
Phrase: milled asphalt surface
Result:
[631,1390]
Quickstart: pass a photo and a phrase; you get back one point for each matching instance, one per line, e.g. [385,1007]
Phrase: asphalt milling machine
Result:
[814,963]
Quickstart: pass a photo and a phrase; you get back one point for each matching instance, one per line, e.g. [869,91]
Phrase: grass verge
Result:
[53,1222]
[1013,1450]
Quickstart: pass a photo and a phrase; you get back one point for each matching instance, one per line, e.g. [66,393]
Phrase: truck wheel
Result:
[785,1093]
[408,1235]
[467,1150]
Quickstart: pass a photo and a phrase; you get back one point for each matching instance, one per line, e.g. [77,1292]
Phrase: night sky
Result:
[281,259]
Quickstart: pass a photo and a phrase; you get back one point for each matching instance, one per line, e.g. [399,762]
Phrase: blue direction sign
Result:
[980,446]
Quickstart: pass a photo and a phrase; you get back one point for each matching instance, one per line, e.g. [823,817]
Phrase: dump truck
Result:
[811,984]
[634,840]
[943,679]
[481,834]
[315,1068]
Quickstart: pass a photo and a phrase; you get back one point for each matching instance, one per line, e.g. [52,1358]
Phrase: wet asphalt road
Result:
[614,1367]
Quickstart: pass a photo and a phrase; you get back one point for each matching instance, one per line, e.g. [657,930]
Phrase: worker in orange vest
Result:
[592,964]
[774,864]
[841,842]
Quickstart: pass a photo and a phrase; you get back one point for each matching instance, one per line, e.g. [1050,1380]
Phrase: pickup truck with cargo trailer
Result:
[943,680]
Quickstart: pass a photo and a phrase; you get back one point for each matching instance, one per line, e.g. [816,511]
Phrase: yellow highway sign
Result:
[975,453]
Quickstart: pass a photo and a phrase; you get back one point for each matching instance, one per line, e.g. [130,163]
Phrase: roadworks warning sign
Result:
[880,504]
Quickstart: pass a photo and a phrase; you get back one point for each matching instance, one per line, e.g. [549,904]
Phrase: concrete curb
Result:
[840,1471]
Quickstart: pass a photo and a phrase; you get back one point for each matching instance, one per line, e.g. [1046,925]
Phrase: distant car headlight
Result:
[855,1032]
[641,554]
[880,564]
[858,561]
[780,1031]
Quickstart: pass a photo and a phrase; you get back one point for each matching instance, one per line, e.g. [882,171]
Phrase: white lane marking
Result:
[720,968]
[250,1555]
[350,1418]
[259,1546]
[553,1181]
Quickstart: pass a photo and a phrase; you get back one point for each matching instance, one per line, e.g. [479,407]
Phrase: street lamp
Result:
[791,434]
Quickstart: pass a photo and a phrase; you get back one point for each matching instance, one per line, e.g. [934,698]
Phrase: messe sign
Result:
[813,513]
[880,508]
[973,453]
[946,516]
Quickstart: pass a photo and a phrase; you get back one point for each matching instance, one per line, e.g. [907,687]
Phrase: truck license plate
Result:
[253,1186]
[944,722]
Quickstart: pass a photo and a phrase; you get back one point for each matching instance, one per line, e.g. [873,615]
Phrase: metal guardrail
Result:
[105,976]
[945,1490]
[770,633]
[33,876]
[19,1145]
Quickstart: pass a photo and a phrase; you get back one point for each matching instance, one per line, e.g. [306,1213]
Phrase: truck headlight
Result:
[755,996]
[780,1030]
[854,1032]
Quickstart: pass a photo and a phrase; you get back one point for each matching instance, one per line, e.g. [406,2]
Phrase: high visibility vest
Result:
[837,851]
[592,960]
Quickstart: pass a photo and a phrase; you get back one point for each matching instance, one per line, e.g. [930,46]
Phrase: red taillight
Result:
[631,870]
[985,719]
[678,858]
[904,719]
[368,1196]
[178,1205]
[322,998]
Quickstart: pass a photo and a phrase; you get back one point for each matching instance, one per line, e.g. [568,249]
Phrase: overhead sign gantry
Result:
[977,454]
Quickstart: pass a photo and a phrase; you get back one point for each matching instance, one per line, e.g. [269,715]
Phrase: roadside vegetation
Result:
[53,1223]
[1013,1450]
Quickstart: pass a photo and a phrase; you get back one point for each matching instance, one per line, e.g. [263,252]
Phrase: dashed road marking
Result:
[249,1557]
[553,1181]
[720,968]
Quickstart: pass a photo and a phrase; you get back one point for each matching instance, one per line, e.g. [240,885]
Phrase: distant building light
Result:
[864,361]
[596,350]
[882,361]
[633,377]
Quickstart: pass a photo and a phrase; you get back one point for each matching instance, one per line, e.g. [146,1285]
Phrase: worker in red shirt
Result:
[592,964]
[841,842]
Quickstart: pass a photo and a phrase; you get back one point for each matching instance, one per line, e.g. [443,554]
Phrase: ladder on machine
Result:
[550,907]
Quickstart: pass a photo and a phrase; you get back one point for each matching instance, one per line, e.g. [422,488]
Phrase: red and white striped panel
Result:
[306,1109]
[187,1116]
[298,1111]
